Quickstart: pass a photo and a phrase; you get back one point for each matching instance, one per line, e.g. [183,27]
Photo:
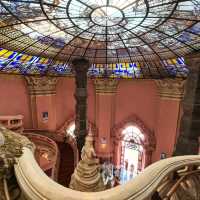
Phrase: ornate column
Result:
[105,89]
[42,91]
[171,88]
[170,93]
[81,66]
[187,142]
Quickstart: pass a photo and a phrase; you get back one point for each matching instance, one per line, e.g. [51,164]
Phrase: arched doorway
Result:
[132,152]
[68,150]
[68,155]
[133,147]
[66,167]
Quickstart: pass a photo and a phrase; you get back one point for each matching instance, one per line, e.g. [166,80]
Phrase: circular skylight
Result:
[103,31]
[107,16]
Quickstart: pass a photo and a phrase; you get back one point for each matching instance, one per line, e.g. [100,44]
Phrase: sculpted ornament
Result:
[11,145]
[88,154]
[171,88]
[87,177]
[41,85]
[105,85]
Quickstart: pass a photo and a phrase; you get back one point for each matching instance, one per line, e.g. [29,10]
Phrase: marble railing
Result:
[176,178]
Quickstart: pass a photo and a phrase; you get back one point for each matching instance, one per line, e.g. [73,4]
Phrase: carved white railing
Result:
[161,180]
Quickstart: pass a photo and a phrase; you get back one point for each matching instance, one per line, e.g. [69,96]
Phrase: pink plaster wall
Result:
[137,97]
[64,100]
[167,127]
[46,103]
[65,103]
[104,122]
[14,98]
[133,97]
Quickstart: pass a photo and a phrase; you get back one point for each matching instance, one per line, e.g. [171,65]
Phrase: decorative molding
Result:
[71,140]
[159,177]
[150,139]
[80,67]
[45,146]
[149,142]
[10,149]
[105,85]
[71,119]
[44,85]
[171,88]
[13,122]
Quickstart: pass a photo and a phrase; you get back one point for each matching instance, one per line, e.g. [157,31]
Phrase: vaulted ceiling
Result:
[125,38]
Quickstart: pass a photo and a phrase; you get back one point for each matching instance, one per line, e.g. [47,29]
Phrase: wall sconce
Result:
[103,142]
[45,116]
[163,155]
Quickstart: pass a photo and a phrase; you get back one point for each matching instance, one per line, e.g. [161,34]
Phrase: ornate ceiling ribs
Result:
[131,39]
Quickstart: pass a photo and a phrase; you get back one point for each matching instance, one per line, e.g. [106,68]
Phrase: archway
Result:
[68,153]
[68,150]
[66,167]
[67,130]
[132,152]
[133,145]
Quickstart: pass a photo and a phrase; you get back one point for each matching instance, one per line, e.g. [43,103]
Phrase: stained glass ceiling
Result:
[122,38]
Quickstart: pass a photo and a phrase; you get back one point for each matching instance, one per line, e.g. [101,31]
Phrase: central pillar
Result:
[187,143]
[80,66]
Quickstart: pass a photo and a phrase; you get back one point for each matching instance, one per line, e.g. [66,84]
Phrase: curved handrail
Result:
[37,186]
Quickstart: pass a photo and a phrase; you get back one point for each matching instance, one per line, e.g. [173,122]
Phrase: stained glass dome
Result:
[127,38]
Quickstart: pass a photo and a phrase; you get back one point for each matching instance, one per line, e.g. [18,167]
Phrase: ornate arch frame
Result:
[71,140]
[149,143]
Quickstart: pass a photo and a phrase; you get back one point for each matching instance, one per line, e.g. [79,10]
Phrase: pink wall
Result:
[46,103]
[167,127]
[65,103]
[137,97]
[132,97]
[64,100]
[14,98]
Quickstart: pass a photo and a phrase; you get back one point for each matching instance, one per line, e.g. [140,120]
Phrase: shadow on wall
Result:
[66,167]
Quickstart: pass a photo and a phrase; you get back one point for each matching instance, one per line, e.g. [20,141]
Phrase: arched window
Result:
[131,153]
[70,130]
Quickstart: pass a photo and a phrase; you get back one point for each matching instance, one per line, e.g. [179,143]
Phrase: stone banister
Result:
[155,182]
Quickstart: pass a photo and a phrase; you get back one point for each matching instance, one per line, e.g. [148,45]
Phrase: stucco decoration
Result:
[171,88]
[2,139]
[41,85]
[87,177]
[71,120]
[10,149]
[106,85]
[149,142]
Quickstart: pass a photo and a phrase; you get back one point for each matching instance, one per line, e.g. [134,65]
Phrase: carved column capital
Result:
[38,85]
[105,85]
[171,88]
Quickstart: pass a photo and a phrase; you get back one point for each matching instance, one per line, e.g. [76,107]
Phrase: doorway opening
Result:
[132,153]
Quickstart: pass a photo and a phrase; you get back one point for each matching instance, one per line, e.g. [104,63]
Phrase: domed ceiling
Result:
[122,38]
